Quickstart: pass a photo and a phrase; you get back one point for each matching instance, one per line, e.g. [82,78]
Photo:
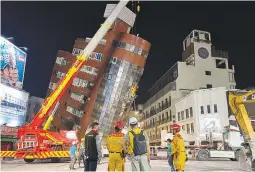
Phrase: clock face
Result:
[203,53]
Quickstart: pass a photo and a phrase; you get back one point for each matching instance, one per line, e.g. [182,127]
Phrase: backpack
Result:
[140,146]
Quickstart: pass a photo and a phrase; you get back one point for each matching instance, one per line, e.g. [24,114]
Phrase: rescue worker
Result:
[81,152]
[113,144]
[136,145]
[93,153]
[178,149]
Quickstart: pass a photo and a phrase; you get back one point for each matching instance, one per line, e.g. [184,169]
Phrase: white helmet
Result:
[74,142]
[133,120]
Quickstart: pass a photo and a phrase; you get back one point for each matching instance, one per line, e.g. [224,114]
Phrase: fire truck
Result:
[35,141]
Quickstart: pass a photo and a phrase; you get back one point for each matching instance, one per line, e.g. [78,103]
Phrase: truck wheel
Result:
[29,160]
[203,155]
[237,155]
[55,160]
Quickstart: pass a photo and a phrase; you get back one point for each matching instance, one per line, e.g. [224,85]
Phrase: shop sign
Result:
[9,131]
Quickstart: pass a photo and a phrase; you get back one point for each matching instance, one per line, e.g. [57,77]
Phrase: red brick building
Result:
[118,61]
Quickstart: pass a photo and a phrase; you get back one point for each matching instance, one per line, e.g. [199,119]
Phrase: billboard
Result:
[13,106]
[13,61]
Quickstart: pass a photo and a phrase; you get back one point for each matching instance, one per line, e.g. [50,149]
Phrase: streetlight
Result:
[24,48]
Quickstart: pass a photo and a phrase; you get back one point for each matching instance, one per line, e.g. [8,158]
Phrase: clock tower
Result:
[197,48]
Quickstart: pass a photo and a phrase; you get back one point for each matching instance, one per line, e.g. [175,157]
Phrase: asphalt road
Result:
[156,165]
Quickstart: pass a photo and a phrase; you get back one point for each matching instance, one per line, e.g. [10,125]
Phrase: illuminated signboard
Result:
[13,61]
[13,106]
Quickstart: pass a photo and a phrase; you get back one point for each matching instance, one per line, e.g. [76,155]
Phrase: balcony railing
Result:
[158,110]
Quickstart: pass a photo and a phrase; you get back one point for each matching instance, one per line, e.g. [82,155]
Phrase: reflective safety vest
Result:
[113,142]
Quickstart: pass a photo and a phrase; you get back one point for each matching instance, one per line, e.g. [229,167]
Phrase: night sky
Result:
[46,27]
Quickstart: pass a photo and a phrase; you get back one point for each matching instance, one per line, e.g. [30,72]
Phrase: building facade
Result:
[202,66]
[34,104]
[203,112]
[116,65]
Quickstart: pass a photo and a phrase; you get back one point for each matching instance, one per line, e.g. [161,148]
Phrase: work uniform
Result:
[178,151]
[116,159]
[93,152]
[139,162]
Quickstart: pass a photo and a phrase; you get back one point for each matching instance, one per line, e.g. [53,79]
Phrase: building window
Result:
[169,101]
[215,108]
[77,97]
[183,127]
[188,129]
[52,85]
[166,103]
[182,113]
[167,117]
[231,77]
[192,128]
[232,87]
[179,116]
[60,75]
[129,47]
[208,73]
[74,111]
[191,112]
[170,113]
[208,85]
[80,83]
[208,109]
[89,70]
[202,109]
[187,113]
[61,61]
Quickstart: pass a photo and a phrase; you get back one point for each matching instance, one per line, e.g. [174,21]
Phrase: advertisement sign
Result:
[13,106]
[71,135]
[9,131]
[210,123]
[13,61]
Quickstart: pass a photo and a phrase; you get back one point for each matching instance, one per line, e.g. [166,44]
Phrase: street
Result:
[157,165]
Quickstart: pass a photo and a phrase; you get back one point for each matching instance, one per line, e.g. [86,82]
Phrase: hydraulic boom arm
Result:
[57,94]
[239,104]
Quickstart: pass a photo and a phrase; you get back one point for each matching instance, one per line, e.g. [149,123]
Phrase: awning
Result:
[5,139]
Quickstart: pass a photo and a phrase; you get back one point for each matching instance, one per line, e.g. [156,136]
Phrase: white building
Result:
[201,67]
[210,113]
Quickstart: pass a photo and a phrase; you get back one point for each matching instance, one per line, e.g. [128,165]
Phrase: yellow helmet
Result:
[82,139]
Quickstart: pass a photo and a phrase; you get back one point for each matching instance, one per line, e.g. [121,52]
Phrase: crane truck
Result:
[35,141]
